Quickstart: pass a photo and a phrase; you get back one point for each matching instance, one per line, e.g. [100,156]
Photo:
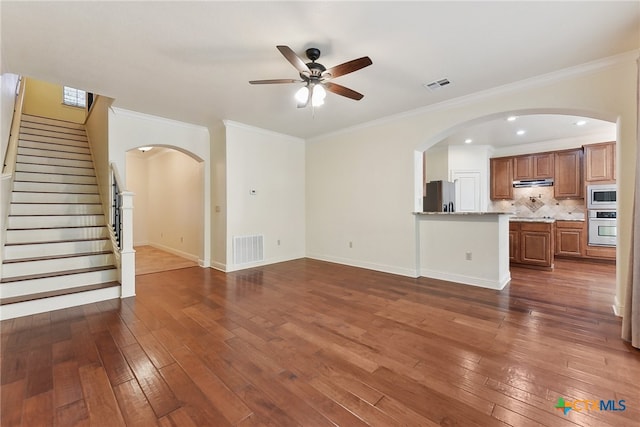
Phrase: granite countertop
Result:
[530,219]
[463,213]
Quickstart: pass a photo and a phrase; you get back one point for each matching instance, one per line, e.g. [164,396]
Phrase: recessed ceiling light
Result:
[144,149]
[512,118]
[521,132]
[468,141]
[580,123]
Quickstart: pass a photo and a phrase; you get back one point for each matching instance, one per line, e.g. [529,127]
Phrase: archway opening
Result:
[168,213]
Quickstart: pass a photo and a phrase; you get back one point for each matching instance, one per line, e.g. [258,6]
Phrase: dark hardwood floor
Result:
[317,344]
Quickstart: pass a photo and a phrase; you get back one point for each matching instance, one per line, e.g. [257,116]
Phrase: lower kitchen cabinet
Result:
[570,238]
[531,244]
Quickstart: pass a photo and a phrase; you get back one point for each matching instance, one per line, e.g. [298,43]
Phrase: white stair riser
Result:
[55,162]
[26,268]
[82,149]
[56,234]
[31,127]
[27,167]
[48,177]
[48,284]
[30,133]
[54,209]
[51,153]
[12,252]
[20,197]
[27,308]
[48,187]
[35,222]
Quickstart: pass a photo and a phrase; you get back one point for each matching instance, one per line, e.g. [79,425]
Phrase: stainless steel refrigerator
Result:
[440,197]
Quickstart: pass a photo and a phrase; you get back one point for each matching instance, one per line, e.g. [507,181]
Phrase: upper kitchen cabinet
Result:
[533,166]
[501,178]
[568,174]
[600,162]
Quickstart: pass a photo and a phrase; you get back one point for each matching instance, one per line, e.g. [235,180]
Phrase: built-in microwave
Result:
[601,196]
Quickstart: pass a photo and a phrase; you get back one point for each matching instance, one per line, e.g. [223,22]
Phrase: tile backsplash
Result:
[538,202]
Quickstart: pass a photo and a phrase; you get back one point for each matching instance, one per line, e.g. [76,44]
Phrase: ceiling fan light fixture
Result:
[318,95]
[302,95]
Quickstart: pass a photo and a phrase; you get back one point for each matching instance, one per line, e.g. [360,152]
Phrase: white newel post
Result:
[128,255]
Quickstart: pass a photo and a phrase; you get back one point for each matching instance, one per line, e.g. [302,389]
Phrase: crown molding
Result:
[533,82]
[238,125]
[149,117]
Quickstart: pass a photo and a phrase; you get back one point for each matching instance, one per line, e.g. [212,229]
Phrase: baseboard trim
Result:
[407,272]
[468,280]
[177,252]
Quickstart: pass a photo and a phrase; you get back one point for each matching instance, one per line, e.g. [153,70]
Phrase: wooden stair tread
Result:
[60,292]
[57,274]
[50,257]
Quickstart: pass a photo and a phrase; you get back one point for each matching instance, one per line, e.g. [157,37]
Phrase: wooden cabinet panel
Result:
[501,178]
[543,166]
[531,244]
[568,174]
[570,238]
[533,166]
[600,162]
[514,243]
[522,167]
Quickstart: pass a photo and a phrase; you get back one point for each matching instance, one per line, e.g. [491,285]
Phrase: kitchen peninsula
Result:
[464,247]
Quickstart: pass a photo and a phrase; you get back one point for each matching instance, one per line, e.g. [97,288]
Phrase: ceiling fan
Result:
[316,77]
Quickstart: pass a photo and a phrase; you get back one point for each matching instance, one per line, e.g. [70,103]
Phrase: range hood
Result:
[533,183]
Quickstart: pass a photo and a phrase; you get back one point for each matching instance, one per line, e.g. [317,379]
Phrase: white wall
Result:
[437,167]
[361,185]
[175,214]
[137,181]
[273,165]
[8,87]
[218,197]
[129,130]
[478,246]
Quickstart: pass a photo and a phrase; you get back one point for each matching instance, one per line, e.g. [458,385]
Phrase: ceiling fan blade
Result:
[294,59]
[348,67]
[344,91]
[273,81]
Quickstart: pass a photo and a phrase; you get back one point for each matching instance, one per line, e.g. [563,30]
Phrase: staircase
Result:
[58,251]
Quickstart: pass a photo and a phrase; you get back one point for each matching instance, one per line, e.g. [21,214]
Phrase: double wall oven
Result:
[601,205]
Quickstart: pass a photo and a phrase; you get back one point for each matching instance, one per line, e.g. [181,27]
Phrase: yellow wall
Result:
[45,100]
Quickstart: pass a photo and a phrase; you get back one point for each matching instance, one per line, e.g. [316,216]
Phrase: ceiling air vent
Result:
[438,84]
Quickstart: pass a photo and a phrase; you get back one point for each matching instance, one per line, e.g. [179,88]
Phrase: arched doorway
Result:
[168,210]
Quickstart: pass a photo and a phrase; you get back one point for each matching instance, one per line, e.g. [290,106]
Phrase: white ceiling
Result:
[192,61]
[502,132]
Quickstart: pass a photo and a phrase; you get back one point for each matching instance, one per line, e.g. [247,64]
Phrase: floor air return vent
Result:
[248,249]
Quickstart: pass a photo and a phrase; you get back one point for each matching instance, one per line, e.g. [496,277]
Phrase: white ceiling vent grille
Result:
[248,249]
[438,84]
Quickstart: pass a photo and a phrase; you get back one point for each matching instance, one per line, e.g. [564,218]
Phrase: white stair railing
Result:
[121,225]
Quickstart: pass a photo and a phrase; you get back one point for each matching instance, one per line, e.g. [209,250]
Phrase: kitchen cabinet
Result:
[600,162]
[533,166]
[570,238]
[568,183]
[501,170]
[514,242]
[531,244]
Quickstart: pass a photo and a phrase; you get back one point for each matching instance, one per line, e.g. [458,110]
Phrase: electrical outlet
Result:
[350,244]
[181,239]
[278,242]
[468,256]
